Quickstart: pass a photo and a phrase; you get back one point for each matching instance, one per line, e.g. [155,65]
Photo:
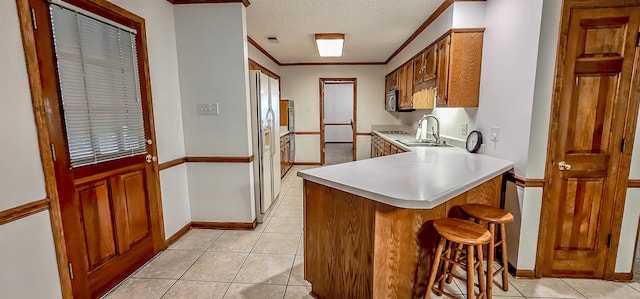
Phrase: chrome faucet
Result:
[435,131]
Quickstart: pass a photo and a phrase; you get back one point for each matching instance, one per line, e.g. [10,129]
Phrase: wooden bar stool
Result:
[466,234]
[492,216]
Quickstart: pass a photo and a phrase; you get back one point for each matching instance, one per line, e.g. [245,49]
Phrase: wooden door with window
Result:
[596,94]
[94,76]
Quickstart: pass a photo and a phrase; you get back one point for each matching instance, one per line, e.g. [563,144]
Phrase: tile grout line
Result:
[116,287]
[295,255]
[581,294]
[245,259]
[190,266]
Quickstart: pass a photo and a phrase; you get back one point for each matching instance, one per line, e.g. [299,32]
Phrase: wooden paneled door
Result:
[111,211]
[595,103]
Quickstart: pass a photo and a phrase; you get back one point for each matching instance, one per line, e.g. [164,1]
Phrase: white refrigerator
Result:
[265,127]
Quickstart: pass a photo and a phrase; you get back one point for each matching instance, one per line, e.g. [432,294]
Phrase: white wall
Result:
[509,60]
[220,193]
[25,262]
[213,67]
[165,89]
[436,29]
[301,84]
[635,158]
[21,178]
[531,203]
[631,216]
[507,90]
[468,14]
[28,260]
[338,108]
[174,183]
[545,75]
[507,77]
[531,207]
[263,60]
[212,56]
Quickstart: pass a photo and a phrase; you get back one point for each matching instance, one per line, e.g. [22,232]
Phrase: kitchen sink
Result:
[423,143]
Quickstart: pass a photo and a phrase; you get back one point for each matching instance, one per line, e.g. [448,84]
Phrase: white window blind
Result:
[98,73]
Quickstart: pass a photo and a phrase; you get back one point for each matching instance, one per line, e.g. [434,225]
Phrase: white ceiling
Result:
[373,29]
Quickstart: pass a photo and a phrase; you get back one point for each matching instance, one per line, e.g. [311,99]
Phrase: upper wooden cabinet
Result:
[458,70]
[424,66]
[447,70]
[405,87]
[392,80]
[442,81]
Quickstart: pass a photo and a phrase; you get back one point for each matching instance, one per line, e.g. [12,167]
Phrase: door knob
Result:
[151,158]
[564,166]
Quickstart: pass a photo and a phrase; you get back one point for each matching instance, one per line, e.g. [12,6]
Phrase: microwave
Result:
[391,101]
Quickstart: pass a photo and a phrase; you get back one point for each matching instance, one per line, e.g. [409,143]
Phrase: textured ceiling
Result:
[373,29]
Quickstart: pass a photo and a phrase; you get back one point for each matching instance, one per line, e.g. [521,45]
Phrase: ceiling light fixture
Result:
[330,44]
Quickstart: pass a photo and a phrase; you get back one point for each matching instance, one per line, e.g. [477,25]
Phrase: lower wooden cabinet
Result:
[285,155]
[381,147]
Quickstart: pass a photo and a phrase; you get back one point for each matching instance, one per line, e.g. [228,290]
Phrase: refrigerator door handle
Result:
[270,119]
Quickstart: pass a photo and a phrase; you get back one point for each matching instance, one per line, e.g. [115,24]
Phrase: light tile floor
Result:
[268,263]
[336,153]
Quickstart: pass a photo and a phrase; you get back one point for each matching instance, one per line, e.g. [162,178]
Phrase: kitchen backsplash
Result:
[451,120]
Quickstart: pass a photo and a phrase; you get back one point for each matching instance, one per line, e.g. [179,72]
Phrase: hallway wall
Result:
[338,108]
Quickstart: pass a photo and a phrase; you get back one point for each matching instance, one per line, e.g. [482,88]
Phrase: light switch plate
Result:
[207,108]
[214,109]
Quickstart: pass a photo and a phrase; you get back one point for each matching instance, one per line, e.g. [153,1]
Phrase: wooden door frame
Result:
[322,82]
[44,129]
[625,158]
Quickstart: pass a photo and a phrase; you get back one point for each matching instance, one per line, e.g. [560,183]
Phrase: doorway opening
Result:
[337,120]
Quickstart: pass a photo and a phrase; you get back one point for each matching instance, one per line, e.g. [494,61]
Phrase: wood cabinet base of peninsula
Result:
[355,247]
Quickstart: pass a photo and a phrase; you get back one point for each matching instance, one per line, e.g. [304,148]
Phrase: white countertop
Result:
[422,178]
[284,131]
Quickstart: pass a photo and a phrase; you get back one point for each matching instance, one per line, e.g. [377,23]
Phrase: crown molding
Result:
[331,63]
[446,4]
[426,24]
[261,49]
[245,2]
[422,27]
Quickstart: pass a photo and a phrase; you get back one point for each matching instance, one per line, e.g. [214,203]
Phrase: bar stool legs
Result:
[463,240]
[494,217]
[471,260]
[435,267]
[505,262]
[490,257]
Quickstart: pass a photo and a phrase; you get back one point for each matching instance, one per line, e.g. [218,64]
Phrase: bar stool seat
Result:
[487,213]
[458,233]
[493,216]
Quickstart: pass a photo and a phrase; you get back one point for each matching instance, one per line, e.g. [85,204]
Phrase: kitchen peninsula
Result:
[367,231]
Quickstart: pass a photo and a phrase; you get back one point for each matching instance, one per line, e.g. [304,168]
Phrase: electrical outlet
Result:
[464,129]
[494,134]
